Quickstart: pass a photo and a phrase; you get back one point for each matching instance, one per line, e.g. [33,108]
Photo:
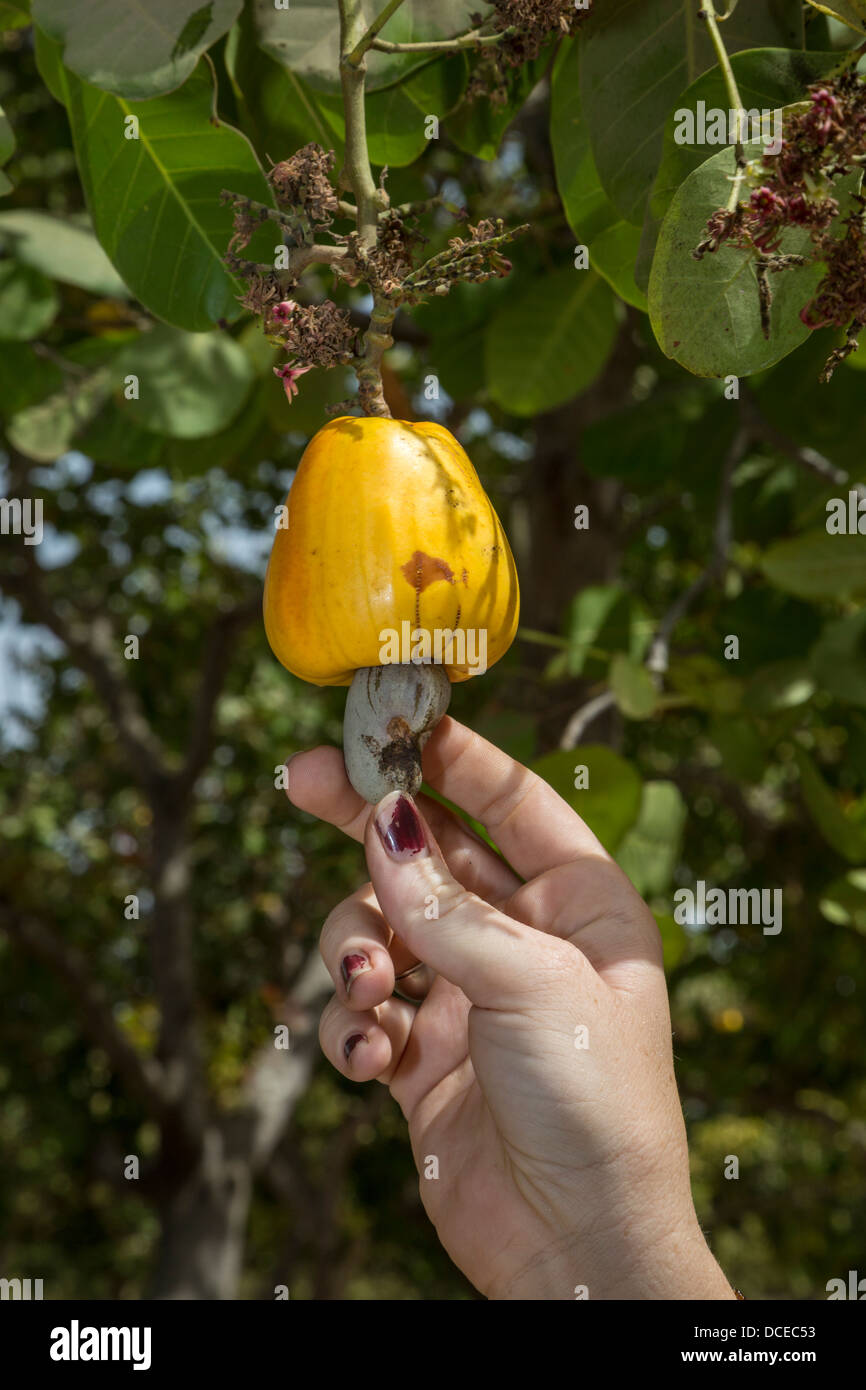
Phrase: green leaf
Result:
[25,378]
[613,244]
[632,687]
[276,107]
[793,399]
[610,803]
[568,317]
[706,683]
[740,745]
[838,659]
[705,314]
[840,832]
[643,443]
[305,37]
[780,685]
[61,250]
[850,12]
[843,902]
[155,200]
[135,50]
[437,88]
[28,301]
[586,205]
[45,431]
[111,437]
[650,850]
[594,614]
[7,137]
[395,126]
[636,58]
[613,254]
[767,79]
[478,125]
[12,15]
[190,384]
[818,565]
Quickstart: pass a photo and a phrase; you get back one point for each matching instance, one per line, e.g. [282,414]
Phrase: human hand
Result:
[561,1166]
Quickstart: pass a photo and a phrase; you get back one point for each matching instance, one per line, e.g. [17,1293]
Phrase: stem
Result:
[368,37]
[370,200]
[377,341]
[475,38]
[709,15]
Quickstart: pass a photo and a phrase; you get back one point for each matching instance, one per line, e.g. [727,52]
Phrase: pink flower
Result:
[281,313]
[288,374]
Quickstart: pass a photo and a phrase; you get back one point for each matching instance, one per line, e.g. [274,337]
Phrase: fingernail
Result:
[351,1043]
[353,966]
[400,830]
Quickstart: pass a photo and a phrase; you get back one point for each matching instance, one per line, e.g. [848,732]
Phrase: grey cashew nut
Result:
[391,711]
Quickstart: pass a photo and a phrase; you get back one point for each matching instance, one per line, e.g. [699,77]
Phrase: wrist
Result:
[674,1263]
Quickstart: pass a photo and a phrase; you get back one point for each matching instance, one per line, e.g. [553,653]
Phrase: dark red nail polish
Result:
[351,967]
[351,1043]
[400,830]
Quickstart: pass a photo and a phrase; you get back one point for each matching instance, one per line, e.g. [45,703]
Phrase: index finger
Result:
[528,821]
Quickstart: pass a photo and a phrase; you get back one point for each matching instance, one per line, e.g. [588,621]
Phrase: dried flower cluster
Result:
[318,334]
[474,258]
[304,181]
[526,26]
[795,188]
[390,261]
[321,334]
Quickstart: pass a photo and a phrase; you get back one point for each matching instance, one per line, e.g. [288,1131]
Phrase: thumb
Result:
[453,931]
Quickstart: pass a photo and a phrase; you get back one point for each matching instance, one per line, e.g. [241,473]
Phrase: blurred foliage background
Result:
[151,1035]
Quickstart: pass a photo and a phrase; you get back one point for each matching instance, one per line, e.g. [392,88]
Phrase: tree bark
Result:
[204,1225]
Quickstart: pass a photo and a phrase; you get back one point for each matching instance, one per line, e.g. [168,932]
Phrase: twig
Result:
[583,717]
[762,428]
[475,38]
[368,38]
[709,15]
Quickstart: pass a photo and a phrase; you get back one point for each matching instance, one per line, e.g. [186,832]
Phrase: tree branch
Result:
[94,648]
[777,439]
[143,1075]
[367,39]
[475,38]
[277,1078]
[215,664]
[370,199]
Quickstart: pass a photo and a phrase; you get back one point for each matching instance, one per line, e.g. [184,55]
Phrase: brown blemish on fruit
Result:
[423,569]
